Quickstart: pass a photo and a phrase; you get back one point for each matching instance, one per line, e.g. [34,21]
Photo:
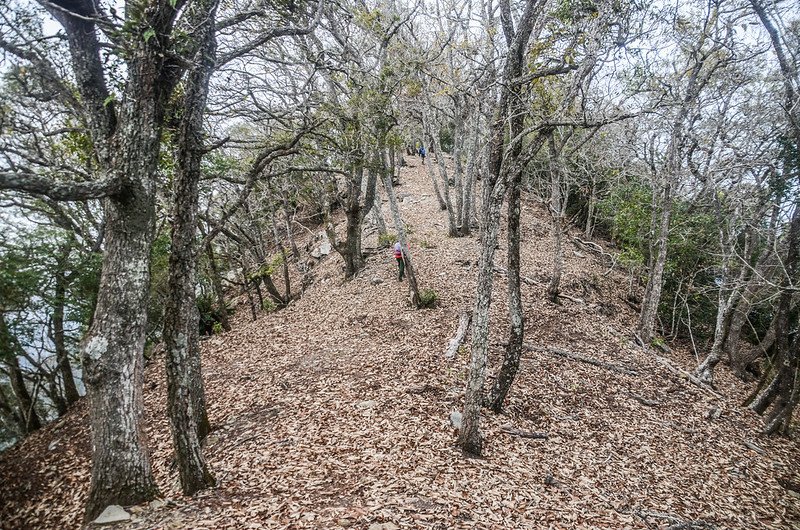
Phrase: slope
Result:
[334,413]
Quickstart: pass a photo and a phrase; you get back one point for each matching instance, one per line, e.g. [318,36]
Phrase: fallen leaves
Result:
[335,413]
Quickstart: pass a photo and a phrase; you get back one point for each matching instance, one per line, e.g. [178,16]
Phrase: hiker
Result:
[422,154]
[398,254]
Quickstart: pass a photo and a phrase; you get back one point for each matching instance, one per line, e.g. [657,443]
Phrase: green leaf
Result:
[149,34]
[109,100]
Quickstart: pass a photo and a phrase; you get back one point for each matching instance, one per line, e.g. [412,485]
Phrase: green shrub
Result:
[428,298]
[209,323]
[387,240]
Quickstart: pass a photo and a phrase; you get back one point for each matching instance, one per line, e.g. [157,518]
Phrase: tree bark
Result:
[557,225]
[705,63]
[186,402]
[219,293]
[28,416]
[431,172]
[469,186]
[71,394]
[726,304]
[788,357]
[470,439]
[126,143]
[652,296]
[516,334]
[445,182]
[780,392]
[379,222]
[355,211]
[413,290]
[592,201]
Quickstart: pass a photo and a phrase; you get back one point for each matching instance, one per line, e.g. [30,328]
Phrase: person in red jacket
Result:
[398,254]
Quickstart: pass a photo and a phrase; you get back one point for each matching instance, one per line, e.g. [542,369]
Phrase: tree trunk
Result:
[589,228]
[353,257]
[431,172]
[469,186]
[112,351]
[445,181]
[652,296]
[29,418]
[126,141]
[557,226]
[781,391]
[289,233]
[510,366]
[219,292]
[186,402]
[287,287]
[458,169]
[470,439]
[71,394]
[355,211]
[383,232]
[413,290]
[788,358]
[726,304]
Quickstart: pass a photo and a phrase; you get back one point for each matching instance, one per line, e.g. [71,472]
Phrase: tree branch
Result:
[60,191]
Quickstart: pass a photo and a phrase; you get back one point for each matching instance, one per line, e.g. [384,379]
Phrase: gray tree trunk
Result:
[557,224]
[216,283]
[469,186]
[589,227]
[470,439]
[413,290]
[28,417]
[652,296]
[355,210]
[71,394]
[787,379]
[379,222]
[727,300]
[431,173]
[186,403]
[510,366]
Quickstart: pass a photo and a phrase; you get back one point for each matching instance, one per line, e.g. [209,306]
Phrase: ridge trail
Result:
[333,413]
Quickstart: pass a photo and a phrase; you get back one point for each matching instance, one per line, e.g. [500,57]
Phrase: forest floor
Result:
[333,413]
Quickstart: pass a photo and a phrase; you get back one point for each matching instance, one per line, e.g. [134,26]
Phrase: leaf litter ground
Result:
[333,413]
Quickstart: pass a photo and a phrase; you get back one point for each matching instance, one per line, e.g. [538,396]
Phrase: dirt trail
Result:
[334,413]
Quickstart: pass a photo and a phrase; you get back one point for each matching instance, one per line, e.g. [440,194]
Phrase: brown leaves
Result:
[333,413]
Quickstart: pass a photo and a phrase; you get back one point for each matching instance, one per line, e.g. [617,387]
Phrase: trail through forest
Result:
[334,412]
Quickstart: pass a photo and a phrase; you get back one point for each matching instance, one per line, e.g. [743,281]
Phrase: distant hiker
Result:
[422,154]
[398,255]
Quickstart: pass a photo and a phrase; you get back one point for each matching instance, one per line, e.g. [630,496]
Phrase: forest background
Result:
[160,158]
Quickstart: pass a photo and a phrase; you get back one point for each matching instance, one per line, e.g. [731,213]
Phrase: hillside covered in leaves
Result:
[335,412]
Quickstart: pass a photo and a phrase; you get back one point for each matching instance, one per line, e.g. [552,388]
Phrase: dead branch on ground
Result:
[455,342]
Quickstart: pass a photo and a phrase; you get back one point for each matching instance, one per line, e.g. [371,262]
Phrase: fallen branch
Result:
[633,306]
[455,342]
[644,401]
[686,375]
[591,245]
[754,447]
[513,431]
[589,360]
[576,300]
[524,279]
